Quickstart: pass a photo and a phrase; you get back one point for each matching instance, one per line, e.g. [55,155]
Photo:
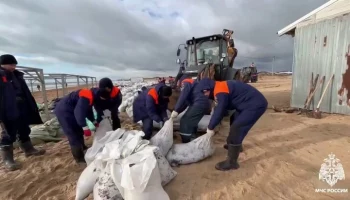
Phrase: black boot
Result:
[7,158]
[186,138]
[241,150]
[29,150]
[231,160]
[78,154]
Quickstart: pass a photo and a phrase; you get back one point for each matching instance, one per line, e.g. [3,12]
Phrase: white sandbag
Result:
[86,181]
[123,106]
[166,172]
[154,189]
[202,125]
[104,126]
[164,138]
[105,188]
[137,176]
[103,135]
[120,148]
[129,111]
[194,151]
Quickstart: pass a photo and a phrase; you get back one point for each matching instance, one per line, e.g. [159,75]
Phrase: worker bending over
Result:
[18,110]
[74,108]
[197,104]
[151,105]
[249,104]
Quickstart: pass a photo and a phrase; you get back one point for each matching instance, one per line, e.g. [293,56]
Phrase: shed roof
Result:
[293,25]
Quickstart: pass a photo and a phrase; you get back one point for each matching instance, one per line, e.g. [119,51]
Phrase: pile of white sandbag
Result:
[121,165]
[130,93]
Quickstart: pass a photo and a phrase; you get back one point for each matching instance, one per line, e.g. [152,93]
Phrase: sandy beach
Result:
[282,157]
[53,93]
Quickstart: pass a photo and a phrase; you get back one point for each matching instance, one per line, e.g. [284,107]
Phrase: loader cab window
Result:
[207,52]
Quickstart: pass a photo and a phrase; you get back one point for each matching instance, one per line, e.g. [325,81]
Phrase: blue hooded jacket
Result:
[148,104]
[8,107]
[79,103]
[231,95]
[191,96]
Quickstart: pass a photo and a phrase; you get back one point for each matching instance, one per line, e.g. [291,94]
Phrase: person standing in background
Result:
[18,110]
[38,87]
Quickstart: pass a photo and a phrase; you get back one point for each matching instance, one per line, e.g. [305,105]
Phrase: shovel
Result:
[308,102]
[317,113]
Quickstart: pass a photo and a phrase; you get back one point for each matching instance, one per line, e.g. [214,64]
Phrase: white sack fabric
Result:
[194,151]
[166,172]
[87,181]
[202,125]
[103,135]
[137,176]
[105,188]
[164,138]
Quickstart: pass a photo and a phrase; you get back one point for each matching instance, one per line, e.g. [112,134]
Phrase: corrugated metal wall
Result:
[311,55]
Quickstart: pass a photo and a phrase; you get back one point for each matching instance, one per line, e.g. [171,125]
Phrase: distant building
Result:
[322,46]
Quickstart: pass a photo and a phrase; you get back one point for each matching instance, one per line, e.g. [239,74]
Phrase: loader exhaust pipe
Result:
[195,51]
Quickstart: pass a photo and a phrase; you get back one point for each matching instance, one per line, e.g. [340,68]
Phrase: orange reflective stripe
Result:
[115,91]
[153,93]
[86,93]
[188,80]
[221,87]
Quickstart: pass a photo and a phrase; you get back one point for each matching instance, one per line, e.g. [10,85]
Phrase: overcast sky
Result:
[133,38]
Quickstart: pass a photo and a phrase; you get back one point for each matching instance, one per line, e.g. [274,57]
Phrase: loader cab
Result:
[202,52]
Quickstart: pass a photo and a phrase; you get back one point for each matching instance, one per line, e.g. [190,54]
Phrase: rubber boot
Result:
[186,138]
[78,154]
[241,150]
[29,150]
[7,158]
[231,161]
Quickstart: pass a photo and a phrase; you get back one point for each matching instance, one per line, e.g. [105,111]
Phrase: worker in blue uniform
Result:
[75,107]
[197,104]
[18,110]
[151,105]
[249,104]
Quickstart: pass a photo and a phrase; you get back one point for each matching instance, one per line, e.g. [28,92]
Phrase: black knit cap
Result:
[8,59]
[105,83]
[166,91]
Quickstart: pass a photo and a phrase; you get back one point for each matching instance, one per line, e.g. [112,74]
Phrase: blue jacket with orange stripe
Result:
[191,96]
[148,104]
[80,103]
[231,95]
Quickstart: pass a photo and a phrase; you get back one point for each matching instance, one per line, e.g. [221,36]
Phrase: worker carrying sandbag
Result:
[74,108]
[18,110]
[151,105]
[249,104]
[197,104]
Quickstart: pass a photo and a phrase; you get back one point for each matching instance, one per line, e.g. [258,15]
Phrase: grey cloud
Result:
[88,33]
